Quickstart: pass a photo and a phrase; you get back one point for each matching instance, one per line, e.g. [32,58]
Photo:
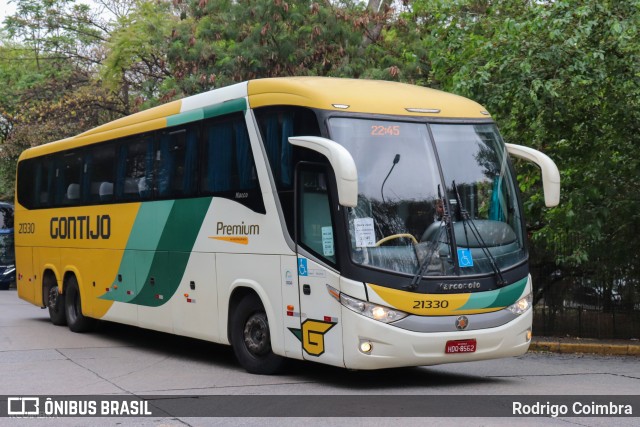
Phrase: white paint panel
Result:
[290,297]
[213,97]
[195,310]
[260,273]
[266,231]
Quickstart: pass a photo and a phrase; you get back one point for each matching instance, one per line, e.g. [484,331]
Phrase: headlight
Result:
[522,305]
[10,269]
[373,311]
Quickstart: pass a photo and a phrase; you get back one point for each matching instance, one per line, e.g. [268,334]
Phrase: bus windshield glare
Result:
[434,199]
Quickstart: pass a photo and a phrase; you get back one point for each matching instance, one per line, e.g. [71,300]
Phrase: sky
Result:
[6,8]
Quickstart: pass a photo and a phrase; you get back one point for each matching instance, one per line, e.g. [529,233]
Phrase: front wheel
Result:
[251,338]
[75,319]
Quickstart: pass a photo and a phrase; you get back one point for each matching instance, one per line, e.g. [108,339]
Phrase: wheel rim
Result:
[256,334]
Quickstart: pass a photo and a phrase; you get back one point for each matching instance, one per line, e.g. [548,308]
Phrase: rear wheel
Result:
[73,307]
[251,338]
[54,301]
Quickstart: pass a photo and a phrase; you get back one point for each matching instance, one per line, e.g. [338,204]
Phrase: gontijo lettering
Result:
[80,227]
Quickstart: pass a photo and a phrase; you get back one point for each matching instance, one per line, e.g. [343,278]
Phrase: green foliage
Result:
[563,77]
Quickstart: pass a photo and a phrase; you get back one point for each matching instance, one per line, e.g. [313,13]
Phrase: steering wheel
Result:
[397,236]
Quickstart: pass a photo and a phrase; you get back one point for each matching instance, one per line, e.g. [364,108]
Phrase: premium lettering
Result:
[237,229]
[80,227]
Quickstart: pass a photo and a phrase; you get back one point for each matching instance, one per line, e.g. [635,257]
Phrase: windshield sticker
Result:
[465,259]
[365,233]
[327,241]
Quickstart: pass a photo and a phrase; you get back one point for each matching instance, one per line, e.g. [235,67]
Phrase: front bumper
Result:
[395,347]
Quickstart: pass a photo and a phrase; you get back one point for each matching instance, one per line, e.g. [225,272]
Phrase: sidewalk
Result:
[586,345]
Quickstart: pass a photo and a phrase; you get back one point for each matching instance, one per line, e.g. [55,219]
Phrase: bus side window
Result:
[229,169]
[177,162]
[28,183]
[100,171]
[276,125]
[69,176]
[135,169]
[314,218]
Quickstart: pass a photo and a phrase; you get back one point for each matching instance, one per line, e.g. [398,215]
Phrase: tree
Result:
[561,76]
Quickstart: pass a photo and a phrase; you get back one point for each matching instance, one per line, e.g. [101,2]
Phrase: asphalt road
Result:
[37,358]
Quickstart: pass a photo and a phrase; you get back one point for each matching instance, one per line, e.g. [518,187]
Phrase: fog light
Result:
[366,347]
[529,334]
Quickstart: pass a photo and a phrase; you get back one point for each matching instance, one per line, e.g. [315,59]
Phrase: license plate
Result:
[460,346]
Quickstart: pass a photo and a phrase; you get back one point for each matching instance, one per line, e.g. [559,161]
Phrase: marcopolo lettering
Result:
[80,227]
[237,229]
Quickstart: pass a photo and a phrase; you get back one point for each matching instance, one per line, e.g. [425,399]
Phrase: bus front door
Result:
[320,332]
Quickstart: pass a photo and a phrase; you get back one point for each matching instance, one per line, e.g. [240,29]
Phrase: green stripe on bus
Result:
[158,250]
[187,117]
[172,254]
[147,228]
[143,239]
[232,106]
[499,298]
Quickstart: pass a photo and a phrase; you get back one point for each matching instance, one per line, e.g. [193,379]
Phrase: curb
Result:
[587,348]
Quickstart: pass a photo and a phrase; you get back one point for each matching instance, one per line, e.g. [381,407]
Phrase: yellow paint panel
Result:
[427,304]
[362,96]
[144,116]
[95,261]
[81,141]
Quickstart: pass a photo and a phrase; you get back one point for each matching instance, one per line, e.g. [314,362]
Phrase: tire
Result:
[251,338]
[54,302]
[76,321]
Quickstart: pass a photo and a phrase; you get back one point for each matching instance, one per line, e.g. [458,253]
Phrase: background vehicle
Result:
[7,252]
[356,223]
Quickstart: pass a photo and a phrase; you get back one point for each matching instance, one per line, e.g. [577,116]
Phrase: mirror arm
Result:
[550,173]
[341,161]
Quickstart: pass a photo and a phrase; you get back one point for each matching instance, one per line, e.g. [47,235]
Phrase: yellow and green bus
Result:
[357,223]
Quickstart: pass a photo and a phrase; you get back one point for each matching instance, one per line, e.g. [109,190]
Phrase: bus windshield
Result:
[434,199]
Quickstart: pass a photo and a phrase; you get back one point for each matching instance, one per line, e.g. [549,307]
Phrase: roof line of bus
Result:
[353,95]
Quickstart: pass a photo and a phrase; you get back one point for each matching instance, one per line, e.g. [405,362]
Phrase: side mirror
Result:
[550,173]
[342,163]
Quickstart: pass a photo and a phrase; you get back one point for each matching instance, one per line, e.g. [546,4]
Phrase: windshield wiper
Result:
[433,248]
[464,215]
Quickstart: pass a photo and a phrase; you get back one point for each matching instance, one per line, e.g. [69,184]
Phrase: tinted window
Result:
[136,159]
[69,178]
[177,162]
[101,162]
[316,227]
[211,158]
[229,169]
[276,125]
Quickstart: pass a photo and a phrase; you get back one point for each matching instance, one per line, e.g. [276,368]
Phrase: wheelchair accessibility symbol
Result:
[302,267]
[465,259]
